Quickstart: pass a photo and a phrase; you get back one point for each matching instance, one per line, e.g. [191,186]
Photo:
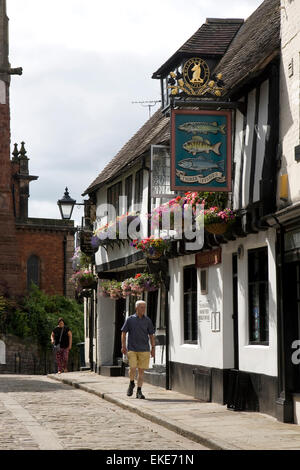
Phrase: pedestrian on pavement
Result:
[139,328]
[61,338]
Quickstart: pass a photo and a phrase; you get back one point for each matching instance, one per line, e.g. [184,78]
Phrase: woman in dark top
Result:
[61,337]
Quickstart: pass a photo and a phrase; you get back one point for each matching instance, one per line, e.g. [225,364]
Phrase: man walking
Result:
[139,328]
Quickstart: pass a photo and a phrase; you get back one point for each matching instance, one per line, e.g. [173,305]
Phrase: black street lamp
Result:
[66,205]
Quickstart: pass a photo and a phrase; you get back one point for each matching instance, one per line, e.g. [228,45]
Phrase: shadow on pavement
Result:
[169,400]
[23,383]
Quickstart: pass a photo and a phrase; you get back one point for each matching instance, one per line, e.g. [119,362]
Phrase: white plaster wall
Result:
[258,359]
[248,147]
[261,133]
[237,156]
[208,351]
[2,352]
[106,330]
[215,349]
[289,95]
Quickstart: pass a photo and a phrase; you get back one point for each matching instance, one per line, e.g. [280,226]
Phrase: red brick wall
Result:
[48,246]
[9,260]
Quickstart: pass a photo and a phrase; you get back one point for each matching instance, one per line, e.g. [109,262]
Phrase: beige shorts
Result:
[139,359]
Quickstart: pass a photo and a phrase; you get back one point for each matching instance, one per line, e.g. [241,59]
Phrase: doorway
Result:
[291,297]
[235,310]
[120,315]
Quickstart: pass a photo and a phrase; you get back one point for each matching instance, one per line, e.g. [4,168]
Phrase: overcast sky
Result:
[84,62]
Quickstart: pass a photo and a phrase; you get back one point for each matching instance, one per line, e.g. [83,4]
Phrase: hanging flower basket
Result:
[115,290]
[218,221]
[87,283]
[84,279]
[126,287]
[152,247]
[218,228]
[104,287]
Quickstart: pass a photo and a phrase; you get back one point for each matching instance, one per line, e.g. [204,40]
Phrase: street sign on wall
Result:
[201,150]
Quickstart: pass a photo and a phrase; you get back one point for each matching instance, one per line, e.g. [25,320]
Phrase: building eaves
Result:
[255,45]
[211,39]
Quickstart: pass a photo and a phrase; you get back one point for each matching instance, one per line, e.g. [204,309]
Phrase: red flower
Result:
[137,276]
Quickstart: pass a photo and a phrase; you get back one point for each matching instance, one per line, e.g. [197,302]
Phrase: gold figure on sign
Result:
[197,73]
[195,80]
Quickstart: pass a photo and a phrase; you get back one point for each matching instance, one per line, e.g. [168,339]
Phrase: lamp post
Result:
[66,205]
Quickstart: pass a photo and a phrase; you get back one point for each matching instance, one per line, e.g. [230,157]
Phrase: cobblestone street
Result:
[39,413]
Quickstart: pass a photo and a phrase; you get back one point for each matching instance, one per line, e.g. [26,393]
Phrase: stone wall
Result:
[25,357]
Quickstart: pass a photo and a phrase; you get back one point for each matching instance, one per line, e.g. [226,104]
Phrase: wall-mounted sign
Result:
[201,150]
[208,258]
[194,79]
[204,315]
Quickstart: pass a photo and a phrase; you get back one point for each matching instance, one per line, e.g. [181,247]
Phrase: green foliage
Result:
[37,315]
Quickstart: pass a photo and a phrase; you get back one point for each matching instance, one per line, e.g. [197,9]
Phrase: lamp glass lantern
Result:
[66,205]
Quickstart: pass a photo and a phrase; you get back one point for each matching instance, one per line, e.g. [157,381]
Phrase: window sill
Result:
[190,345]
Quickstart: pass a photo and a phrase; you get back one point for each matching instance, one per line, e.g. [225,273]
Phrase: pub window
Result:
[113,194]
[138,191]
[33,271]
[190,304]
[203,281]
[128,192]
[258,296]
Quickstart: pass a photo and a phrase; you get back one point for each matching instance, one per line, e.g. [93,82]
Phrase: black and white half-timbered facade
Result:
[220,313]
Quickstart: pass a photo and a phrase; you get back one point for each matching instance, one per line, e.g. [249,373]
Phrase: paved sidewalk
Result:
[207,423]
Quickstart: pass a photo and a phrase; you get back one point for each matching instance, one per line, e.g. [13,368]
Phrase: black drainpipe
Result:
[284,411]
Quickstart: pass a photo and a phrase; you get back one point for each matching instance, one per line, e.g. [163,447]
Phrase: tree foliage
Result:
[37,314]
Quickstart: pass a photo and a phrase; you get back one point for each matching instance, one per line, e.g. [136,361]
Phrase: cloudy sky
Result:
[84,62]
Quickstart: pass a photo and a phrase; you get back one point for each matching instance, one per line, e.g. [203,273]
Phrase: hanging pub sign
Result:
[201,150]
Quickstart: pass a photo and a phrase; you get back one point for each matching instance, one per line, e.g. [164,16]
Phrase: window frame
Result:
[38,267]
[128,192]
[113,198]
[138,186]
[193,301]
[263,318]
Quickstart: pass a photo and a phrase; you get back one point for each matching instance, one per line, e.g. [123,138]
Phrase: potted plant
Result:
[84,279]
[152,247]
[137,285]
[80,260]
[104,287]
[115,290]
[126,287]
[218,221]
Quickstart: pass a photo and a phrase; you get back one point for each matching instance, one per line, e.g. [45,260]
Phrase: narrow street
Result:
[37,413]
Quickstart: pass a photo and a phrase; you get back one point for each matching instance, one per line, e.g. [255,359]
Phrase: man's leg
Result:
[143,363]
[140,383]
[132,371]
[140,380]
[132,358]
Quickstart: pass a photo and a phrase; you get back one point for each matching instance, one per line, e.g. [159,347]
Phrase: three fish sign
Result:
[201,150]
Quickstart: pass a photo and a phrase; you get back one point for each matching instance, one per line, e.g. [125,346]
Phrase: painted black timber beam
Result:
[211,104]
[119,263]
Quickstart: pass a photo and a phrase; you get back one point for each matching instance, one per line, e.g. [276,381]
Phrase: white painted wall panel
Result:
[248,147]
[2,352]
[237,157]
[258,359]
[262,133]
